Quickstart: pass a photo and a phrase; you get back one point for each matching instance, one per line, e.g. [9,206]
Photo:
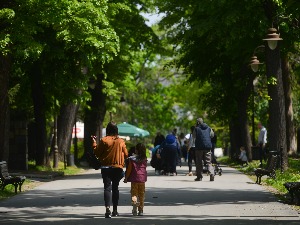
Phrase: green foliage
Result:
[80,149]
[6,16]
[213,51]
[290,175]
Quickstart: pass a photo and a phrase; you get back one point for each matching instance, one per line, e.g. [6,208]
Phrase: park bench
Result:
[294,191]
[268,171]
[6,179]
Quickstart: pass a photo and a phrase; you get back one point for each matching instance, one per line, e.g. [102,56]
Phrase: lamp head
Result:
[254,64]
[272,38]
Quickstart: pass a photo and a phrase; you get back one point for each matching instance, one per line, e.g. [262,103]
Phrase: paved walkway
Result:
[231,199]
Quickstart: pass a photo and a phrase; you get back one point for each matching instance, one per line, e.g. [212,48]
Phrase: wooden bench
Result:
[294,190]
[268,171]
[6,179]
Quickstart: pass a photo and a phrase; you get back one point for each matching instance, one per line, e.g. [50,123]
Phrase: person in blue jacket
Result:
[169,154]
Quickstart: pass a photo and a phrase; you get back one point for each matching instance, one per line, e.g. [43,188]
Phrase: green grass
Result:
[70,170]
[290,175]
[9,190]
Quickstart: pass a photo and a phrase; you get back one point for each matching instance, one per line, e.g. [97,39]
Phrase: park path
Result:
[231,199]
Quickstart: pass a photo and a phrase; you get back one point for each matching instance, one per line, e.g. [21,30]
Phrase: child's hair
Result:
[141,151]
[185,142]
[242,148]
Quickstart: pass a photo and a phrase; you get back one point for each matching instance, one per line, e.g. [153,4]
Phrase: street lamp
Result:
[277,128]
[272,38]
[55,158]
[254,64]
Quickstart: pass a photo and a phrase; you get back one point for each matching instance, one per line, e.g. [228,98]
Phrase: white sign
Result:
[79,130]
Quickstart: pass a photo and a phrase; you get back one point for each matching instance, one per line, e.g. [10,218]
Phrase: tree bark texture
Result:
[65,125]
[235,138]
[289,113]
[94,116]
[39,115]
[277,122]
[5,66]
[243,99]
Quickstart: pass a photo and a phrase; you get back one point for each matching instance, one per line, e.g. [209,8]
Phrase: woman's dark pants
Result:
[111,179]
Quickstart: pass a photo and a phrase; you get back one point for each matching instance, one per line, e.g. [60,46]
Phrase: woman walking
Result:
[136,173]
[112,153]
[191,152]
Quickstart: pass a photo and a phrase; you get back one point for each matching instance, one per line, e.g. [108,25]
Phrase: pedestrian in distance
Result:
[202,135]
[156,161]
[159,139]
[214,144]
[191,152]
[112,153]
[136,173]
[170,155]
[184,150]
[243,156]
[262,141]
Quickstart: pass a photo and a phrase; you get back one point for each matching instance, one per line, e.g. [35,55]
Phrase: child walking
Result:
[136,173]
[243,156]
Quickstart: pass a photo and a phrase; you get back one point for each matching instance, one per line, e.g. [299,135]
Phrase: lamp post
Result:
[75,142]
[254,64]
[277,125]
[55,158]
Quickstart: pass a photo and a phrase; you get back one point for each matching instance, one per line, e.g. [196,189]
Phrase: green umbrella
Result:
[126,129]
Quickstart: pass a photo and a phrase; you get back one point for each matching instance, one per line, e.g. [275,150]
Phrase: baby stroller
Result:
[217,169]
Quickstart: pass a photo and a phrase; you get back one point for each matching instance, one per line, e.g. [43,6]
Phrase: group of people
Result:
[113,156]
[199,147]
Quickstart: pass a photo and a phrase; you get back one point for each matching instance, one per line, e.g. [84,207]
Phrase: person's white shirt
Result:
[262,137]
[191,142]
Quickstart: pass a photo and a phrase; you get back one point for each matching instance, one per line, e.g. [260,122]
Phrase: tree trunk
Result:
[65,125]
[235,138]
[277,128]
[289,113]
[4,107]
[39,115]
[242,103]
[94,117]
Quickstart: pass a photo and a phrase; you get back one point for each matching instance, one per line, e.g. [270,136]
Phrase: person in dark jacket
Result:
[159,139]
[202,136]
[169,154]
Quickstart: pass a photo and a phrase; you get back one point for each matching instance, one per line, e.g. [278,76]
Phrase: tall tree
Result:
[134,36]
[6,16]
[56,40]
